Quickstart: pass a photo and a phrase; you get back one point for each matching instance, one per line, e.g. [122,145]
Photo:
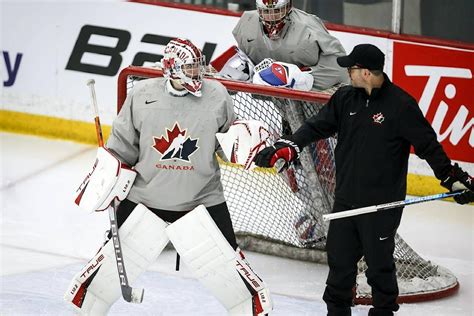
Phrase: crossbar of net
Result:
[281,214]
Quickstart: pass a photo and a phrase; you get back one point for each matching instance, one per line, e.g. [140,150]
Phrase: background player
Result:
[278,31]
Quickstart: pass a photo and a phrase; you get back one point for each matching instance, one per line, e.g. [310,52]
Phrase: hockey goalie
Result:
[167,130]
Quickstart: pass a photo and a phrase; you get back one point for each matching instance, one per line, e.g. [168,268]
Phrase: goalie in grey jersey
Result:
[285,34]
[292,49]
[167,130]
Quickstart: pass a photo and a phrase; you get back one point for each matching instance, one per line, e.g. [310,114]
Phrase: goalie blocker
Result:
[109,179]
[196,237]
[234,64]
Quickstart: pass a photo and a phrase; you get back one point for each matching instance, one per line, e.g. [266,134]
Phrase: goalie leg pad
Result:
[261,303]
[94,289]
[217,265]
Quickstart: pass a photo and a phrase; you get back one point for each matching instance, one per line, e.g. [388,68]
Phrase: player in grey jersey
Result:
[167,130]
[277,30]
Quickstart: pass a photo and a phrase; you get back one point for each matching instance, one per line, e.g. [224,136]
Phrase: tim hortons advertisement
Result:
[441,79]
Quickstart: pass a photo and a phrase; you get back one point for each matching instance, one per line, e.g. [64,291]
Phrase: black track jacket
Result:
[374,134]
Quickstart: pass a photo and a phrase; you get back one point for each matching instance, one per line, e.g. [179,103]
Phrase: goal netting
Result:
[281,214]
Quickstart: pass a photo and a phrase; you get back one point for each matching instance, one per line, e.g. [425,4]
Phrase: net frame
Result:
[312,184]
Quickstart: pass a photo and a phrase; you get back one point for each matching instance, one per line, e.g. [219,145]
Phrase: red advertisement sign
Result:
[441,79]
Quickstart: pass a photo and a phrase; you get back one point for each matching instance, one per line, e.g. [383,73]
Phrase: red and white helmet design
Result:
[273,15]
[184,62]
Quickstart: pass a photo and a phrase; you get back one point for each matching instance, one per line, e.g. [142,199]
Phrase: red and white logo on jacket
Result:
[378,118]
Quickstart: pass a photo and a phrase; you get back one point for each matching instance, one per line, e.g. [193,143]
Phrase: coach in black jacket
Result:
[376,122]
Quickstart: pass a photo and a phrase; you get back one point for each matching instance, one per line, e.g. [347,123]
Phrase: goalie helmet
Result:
[184,62]
[273,15]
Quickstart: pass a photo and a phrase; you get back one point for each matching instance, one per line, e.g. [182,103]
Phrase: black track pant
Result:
[219,213]
[370,235]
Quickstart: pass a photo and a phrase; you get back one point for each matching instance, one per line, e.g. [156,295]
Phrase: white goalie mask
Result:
[273,15]
[184,62]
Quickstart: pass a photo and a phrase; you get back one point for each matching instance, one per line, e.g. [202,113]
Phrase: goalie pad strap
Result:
[214,262]
[96,287]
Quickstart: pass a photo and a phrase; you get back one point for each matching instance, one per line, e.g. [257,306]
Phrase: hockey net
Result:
[281,214]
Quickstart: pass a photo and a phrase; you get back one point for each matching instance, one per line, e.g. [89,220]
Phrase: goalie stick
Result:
[131,295]
[386,206]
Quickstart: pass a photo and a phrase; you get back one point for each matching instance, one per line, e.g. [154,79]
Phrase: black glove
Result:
[457,180]
[282,149]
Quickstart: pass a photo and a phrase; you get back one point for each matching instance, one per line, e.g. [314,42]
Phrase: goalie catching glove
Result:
[457,180]
[279,74]
[283,148]
[243,140]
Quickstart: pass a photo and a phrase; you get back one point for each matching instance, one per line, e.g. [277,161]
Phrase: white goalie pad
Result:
[234,64]
[97,286]
[279,74]
[217,265]
[109,179]
[243,141]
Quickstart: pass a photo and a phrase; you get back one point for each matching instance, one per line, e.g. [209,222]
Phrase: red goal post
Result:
[231,85]
[281,214]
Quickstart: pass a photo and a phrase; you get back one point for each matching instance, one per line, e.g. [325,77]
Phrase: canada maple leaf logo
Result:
[378,118]
[175,145]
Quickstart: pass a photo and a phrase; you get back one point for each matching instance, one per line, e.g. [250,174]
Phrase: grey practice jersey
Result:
[171,142]
[304,41]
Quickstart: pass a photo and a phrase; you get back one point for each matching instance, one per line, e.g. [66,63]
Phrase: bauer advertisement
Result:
[45,67]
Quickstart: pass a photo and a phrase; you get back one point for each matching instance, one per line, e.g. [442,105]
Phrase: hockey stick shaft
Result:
[129,294]
[391,205]
[98,127]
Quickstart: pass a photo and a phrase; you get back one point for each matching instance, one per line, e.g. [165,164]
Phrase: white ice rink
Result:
[46,239]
